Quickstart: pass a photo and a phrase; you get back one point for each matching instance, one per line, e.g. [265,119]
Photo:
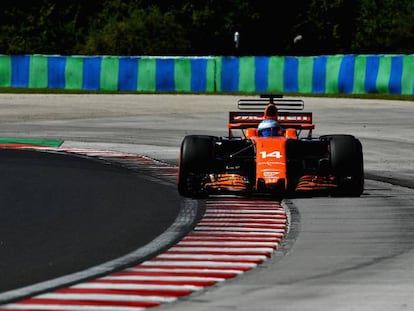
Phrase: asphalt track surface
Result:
[340,253]
[63,213]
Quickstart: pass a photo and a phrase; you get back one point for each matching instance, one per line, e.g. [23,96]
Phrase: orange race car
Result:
[270,150]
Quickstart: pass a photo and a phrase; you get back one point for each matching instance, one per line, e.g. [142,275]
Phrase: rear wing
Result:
[252,112]
[282,104]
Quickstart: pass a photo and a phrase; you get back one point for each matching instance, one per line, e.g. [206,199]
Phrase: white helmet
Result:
[269,128]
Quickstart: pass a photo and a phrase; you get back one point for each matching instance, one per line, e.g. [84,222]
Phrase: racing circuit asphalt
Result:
[65,213]
[340,253]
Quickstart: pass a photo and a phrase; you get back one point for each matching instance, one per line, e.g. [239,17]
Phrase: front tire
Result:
[347,164]
[197,156]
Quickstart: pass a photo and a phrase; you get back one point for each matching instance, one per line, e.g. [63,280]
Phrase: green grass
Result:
[31,141]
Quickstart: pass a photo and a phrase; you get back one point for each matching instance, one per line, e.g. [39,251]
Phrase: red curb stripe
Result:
[226,242]
[220,241]
[134,285]
[224,245]
[252,226]
[172,273]
[11,145]
[231,248]
[129,279]
[232,235]
[216,253]
[89,302]
[238,249]
[264,223]
[141,292]
[206,261]
[261,219]
[187,269]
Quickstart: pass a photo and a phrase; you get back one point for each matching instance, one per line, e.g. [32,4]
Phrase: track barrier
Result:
[326,74]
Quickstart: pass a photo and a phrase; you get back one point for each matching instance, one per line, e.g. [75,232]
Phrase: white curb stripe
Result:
[106,297]
[160,278]
[222,249]
[135,286]
[185,270]
[237,229]
[205,257]
[199,264]
[226,244]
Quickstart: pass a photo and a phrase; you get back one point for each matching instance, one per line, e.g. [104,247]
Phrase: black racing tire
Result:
[197,157]
[347,164]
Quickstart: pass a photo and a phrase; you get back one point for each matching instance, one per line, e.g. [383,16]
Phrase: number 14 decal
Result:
[274,154]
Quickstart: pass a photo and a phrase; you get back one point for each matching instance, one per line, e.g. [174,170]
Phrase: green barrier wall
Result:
[5,71]
[326,74]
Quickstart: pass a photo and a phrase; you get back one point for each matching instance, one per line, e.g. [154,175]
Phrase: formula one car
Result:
[279,158]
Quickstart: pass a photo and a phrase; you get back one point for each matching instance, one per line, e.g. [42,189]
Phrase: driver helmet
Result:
[268,128]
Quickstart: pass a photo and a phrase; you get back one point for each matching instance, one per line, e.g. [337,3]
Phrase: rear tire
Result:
[347,164]
[196,160]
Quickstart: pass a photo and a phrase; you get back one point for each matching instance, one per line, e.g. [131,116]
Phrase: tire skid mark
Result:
[234,236]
